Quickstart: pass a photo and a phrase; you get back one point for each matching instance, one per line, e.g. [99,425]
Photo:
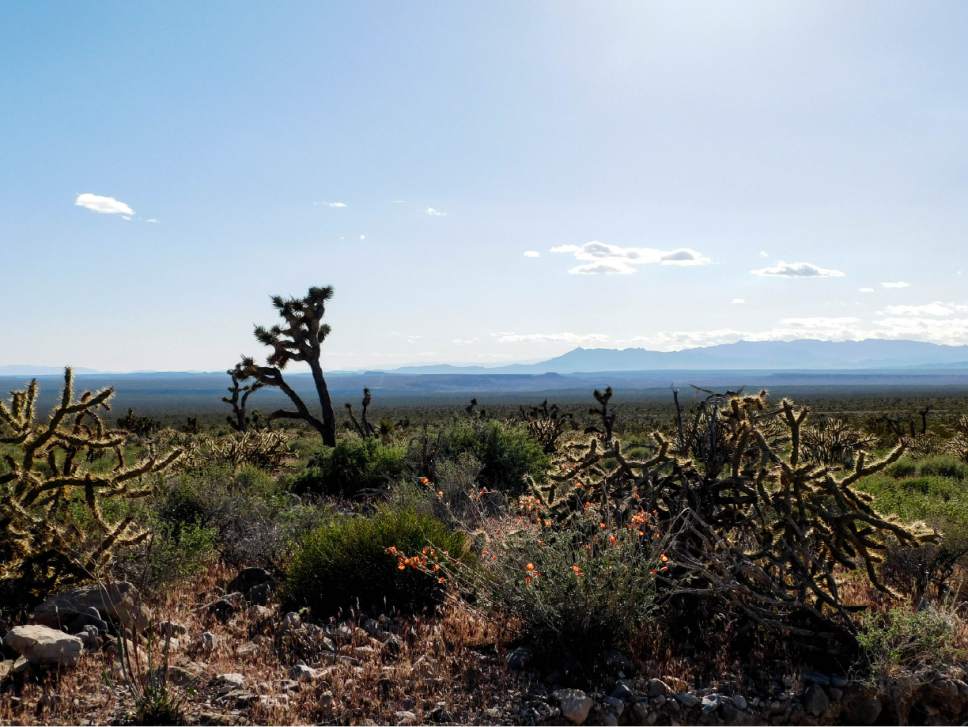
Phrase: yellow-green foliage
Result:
[49,472]
[766,531]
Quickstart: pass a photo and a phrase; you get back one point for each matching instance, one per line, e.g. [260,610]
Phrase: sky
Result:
[480,182]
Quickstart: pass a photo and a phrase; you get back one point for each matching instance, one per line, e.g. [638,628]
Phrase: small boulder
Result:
[44,646]
[405,717]
[247,579]
[815,700]
[303,673]
[657,688]
[862,708]
[687,699]
[228,682]
[117,602]
[574,704]
[519,659]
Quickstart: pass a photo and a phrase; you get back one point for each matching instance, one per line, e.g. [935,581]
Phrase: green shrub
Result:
[902,468]
[943,466]
[170,554]
[902,641]
[351,466]
[506,452]
[571,593]
[344,564]
[254,518]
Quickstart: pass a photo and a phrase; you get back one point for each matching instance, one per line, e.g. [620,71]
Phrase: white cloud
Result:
[797,270]
[336,205]
[764,253]
[865,290]
[153,221]
[599,258]
[532,253]
[362,237]
[896,284]
[103,205]
[738,301]
[936,310]
[564,337]
[464,341]
[436,213]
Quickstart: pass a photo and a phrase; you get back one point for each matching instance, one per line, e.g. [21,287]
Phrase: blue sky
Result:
[687,173]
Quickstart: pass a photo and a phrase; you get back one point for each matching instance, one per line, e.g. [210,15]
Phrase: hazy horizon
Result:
[481,184]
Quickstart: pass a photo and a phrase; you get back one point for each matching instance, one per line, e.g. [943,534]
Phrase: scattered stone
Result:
[222,608]
[208,641]
[574,704]
[90,637]
[247,649]
[519,659]
[614,705]
[228,681]
[291,621]
[687,699]
[259,595]
[739,701]
[392,646]
[641,713]
[247,579]
[258,613]
[815,700]
[302,673]
[267,702]
[44,646]
[862,708]
[405,717]
[189,675]
[118,602]
[815,677]
[372,627]
[6,667]
[623,691]
[711,702]
[656,687]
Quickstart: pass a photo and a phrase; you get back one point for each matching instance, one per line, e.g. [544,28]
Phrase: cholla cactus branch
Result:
[763,531]
[48,475]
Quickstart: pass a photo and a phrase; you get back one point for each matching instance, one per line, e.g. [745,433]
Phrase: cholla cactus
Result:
[47,475]
[299,340]
[765,534]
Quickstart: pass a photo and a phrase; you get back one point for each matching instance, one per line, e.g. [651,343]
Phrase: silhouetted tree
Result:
[299,339]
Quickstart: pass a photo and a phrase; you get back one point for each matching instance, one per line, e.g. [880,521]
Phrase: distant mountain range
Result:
[34,370]
[746,355]
[801,355]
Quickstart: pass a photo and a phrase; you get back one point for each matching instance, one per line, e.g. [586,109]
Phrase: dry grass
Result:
[449,668]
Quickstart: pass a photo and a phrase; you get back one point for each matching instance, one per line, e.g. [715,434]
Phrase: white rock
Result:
[44,646]
[574,703]
[118,602]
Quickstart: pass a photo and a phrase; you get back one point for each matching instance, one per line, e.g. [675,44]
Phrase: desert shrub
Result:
[254,518]
[508,455]
[902,468]
[943,466]
[352,466]
[904,642]
[941,503]
[170,554]
[345,563]
[574,593]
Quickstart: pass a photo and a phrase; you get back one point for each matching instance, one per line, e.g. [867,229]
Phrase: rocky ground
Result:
[226,654]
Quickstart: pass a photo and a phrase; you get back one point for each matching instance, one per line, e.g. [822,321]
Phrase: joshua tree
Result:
[239,420]
[298,340]
[362,426]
